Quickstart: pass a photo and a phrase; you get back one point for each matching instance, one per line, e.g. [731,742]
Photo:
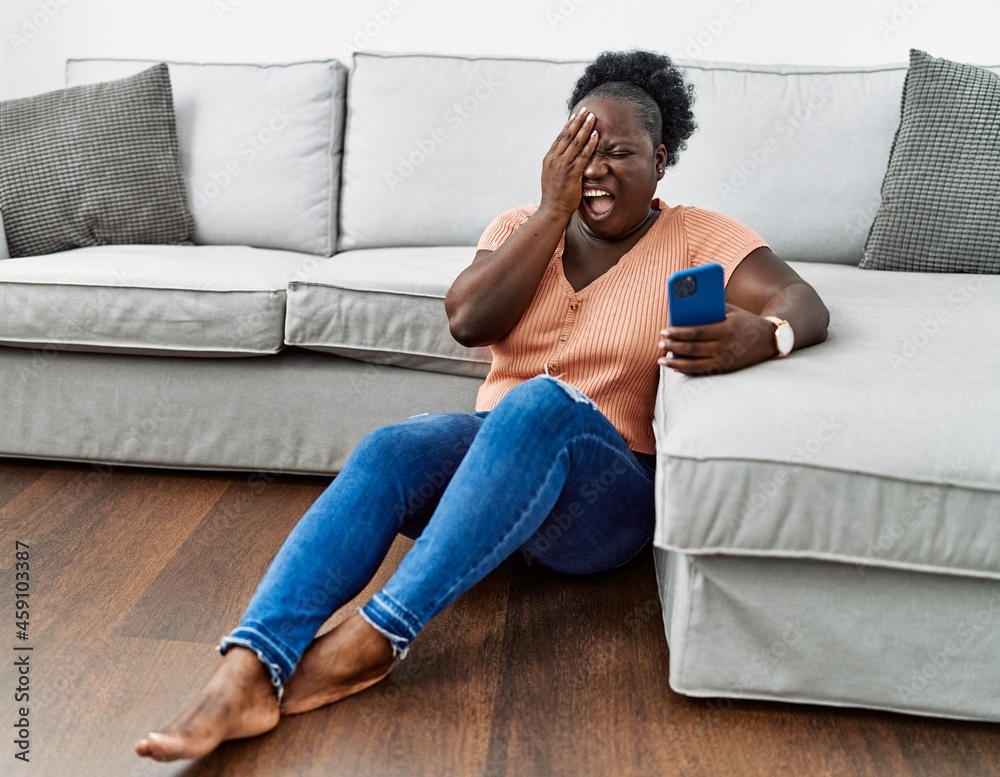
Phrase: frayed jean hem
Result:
[254,641]
[383,616]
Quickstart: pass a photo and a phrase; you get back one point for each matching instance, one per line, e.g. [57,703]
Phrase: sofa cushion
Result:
[877,447]
[940,208]
[797,153]
[92,165]
[196,301]
[260,148]
[441,175]
[384,306]
[296,411]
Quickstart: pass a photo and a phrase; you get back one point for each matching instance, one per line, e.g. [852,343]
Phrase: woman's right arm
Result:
[489,296]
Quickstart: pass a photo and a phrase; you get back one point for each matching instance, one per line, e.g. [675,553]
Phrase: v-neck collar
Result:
[584,292]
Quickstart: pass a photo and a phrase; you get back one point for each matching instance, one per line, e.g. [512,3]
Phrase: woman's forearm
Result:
[489,297]
[802,308]
[745,337]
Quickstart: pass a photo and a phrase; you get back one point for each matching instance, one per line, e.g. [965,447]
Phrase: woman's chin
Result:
[597,215]
[598,223]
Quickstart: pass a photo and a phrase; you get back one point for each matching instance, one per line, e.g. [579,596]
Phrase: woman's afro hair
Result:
[653,85]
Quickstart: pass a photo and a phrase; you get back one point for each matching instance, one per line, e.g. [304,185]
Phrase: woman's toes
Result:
[159,747]
[237,702]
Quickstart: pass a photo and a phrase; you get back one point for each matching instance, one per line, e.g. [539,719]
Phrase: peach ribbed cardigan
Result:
[602,339]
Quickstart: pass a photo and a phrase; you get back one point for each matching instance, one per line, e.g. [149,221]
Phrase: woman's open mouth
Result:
[597,202]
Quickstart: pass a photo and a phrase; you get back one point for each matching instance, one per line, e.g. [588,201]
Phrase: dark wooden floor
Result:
[135,575]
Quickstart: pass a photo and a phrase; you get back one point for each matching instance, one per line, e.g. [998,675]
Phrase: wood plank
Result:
[530,673]
[584,676]
[101,714]
[94,541]
[585,691]
[222,560]
[234,546]
[15,476]
[431,717]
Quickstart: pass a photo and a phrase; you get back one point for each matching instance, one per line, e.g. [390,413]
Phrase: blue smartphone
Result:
[697,296]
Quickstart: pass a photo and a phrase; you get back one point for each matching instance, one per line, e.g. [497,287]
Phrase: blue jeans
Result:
[544,472]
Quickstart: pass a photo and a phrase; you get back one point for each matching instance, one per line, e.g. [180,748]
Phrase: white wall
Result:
[37,36]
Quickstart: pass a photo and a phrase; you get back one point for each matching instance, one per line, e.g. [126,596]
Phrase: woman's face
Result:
[620,180]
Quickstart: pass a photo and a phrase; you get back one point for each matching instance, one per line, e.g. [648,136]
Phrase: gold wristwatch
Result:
[784,337]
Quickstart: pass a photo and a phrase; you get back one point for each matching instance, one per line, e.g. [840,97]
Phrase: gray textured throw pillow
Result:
[940,208]
[93,165]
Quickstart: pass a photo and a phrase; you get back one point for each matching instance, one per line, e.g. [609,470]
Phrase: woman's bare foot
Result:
[342,662]
[237,701]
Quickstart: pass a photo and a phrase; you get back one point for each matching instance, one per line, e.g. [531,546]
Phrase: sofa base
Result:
[835,634]
[296,411]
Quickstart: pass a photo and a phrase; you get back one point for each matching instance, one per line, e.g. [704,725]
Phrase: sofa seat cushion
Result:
[198,301]
[875,448]
[385,306]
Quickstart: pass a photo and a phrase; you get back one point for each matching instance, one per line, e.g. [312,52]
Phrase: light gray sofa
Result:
[829,523]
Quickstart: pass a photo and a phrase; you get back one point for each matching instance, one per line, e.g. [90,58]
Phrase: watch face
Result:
[785,337]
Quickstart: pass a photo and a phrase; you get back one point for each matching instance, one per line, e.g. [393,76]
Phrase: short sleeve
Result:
[504,226]
[712,237]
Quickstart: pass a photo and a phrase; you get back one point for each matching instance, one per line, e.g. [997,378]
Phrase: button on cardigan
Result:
[603,338]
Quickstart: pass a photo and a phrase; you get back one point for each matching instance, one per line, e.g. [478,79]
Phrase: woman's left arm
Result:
[761,285]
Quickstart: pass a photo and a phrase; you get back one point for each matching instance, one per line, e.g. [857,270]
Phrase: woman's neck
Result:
[585,232]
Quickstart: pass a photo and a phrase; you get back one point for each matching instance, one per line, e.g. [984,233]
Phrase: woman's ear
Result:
[660,158]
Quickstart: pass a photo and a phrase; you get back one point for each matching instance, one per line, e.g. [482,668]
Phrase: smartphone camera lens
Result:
[685,287]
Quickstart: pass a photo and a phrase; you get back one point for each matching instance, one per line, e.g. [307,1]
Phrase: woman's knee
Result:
[389,445]
[378,446]
[441,439]
[543,396]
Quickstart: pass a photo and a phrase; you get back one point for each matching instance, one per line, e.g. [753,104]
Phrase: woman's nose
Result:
[596,167]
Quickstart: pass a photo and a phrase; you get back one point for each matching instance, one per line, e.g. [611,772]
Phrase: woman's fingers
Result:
[567,133]
[689,348]
[711,349]
[562,168]
[584,136]
[694,347]
[715,331]
[589,147]
[694,366]
[575,132]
